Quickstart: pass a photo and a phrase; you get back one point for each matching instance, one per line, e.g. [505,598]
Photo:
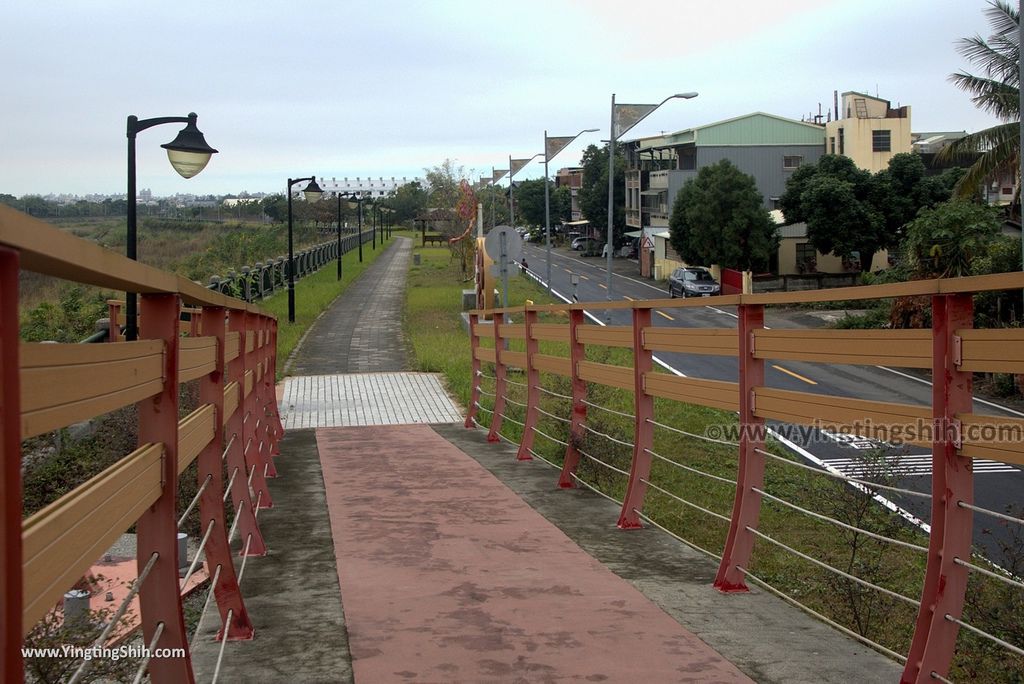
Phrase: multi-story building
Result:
[869,131]
[373,187]
[572,178]
[765,146]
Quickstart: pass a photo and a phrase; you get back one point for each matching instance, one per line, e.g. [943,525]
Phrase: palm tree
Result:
[996,92]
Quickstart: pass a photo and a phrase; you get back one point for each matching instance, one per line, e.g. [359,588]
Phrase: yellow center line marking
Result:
[629,298]
[583,276]
[602,286]
[663,314]
[795,375]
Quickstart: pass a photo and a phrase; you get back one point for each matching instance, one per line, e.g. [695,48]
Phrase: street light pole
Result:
[359,202]
[312,194]
[631,116]
[552,146]
[189,154]
[338,195]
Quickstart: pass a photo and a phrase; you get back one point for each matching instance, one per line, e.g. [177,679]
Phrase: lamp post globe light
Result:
[624,117]
[552,146]
[189,154]
[312,193]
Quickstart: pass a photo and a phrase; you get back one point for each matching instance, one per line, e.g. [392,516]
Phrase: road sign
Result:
[504,246]
[513,244]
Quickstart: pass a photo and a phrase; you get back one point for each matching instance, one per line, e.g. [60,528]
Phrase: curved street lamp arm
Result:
[135,124]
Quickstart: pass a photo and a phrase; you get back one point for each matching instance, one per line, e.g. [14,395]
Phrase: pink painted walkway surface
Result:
[447,576]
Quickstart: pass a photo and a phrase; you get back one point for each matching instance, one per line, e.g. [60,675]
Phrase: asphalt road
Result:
[998,486]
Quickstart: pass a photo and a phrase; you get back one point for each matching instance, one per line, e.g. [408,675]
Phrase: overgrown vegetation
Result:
[440,344]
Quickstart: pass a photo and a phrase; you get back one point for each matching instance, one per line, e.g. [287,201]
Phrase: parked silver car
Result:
[692,282]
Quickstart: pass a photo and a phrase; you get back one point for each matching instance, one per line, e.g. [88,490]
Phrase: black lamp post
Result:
[339,195]
[312,194]
[359,200]
[189,154]
[373,217]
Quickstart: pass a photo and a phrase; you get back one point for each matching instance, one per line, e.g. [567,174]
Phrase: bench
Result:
[434,238]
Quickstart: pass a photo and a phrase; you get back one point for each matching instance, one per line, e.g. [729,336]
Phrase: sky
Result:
[388,88]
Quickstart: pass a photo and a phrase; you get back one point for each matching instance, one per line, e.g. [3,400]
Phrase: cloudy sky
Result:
[388,87]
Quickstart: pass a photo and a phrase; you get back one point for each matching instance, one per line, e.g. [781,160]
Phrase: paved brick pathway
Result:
[448,576]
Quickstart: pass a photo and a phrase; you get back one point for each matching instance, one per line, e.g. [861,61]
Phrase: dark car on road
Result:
[692,282]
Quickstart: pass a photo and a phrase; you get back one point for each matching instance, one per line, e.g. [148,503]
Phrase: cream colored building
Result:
[870,131]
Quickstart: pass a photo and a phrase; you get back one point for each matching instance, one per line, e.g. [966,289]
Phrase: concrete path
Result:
[448,576]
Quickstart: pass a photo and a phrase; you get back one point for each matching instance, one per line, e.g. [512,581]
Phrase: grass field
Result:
[703,473]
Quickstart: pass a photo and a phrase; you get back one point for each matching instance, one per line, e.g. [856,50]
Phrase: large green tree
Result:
[593,195]
[443,184]
[996,91]
[847,209]
[945,241]
[530,203]
[719,218]
[408,201]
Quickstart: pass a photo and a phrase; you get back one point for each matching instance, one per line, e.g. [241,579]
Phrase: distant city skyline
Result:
[391,88]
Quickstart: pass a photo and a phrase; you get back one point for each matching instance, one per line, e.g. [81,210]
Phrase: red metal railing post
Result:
[643,428]
[577,353]
[211,503]
[157,528]
[256,465]
[945,582]
[275,418]
[11,666]
[499,384]
[474,392]
[260,390]
[746,510]
[532,382]
[241,497]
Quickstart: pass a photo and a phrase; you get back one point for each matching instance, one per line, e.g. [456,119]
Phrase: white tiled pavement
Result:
[354,399]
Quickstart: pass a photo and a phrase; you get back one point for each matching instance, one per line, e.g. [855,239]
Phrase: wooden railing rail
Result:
[230,350]
[952,349]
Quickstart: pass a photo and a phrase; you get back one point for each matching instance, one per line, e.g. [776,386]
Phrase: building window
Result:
[806,258]
[790,162]
[1007,191]
[842,146]
[832,144]
[881,141]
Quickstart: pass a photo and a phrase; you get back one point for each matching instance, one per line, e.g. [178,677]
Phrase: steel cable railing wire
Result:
[151,647]
[994,514]
[511,420]
[810,611]
[195,500]
[608,410]
[839,523]
[685,502]
[670,533]
[846,478]
[514,402]
[988,573]
[837,571]
[692,434]
[231,481]
[206,605]
[606,465]
[199,552]
[116,618]
[594,489]
[538,456]
[549,437]
[223,643]
[691,469]
[608,437]
[552,415]
[553,394]
[982,633]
